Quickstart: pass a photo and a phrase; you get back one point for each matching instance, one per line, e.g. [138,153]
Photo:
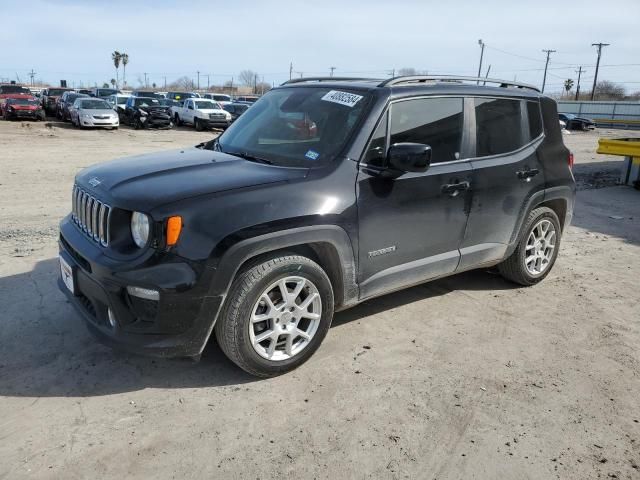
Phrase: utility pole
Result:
[208,86]
[580,71]
[145,80]
[544,80]
[487,75]
[165,83]
[32,74]
[332,69]
[481,43]
[198,72]
[255,83]
[290,70]
[595,78]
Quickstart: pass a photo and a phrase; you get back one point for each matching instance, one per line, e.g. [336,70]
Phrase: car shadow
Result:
[47,350]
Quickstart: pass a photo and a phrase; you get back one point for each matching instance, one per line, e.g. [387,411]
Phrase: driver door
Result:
[411,225]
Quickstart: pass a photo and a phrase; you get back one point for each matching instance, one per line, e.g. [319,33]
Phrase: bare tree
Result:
[405,71]
[606,90]
[183,83]
[248,78]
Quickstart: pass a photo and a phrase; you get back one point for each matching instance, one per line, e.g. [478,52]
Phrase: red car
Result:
[24,107]
[11,90]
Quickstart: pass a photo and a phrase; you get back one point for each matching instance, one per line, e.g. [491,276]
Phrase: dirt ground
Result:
[466,377]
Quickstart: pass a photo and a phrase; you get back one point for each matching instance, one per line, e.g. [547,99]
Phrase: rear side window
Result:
[499,126]
[436,122]
[535,119]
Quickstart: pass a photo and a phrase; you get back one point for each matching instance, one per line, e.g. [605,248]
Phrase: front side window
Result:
[437,122]
[298,127]
[499,126]
[376,152]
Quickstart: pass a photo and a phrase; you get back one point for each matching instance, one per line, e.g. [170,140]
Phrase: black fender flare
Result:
[331,235]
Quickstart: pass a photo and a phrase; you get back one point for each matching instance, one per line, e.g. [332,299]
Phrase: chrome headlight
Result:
[140,229]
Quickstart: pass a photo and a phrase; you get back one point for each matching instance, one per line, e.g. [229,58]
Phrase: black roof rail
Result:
[452,78]
[326,79]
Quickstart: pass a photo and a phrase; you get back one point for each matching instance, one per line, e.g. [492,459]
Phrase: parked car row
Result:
[139,109]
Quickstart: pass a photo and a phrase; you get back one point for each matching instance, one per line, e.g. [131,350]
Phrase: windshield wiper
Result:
[251,158]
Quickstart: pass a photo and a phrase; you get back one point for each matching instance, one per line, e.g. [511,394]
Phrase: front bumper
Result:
[209,123]
[17,114]
[103,122]
[177,325]
[152,121]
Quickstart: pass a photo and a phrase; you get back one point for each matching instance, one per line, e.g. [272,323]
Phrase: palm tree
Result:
[116,56]
[125,59]
[568,85]
[113,82]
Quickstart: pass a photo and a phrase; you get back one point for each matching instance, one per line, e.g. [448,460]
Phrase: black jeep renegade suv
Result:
[326,192]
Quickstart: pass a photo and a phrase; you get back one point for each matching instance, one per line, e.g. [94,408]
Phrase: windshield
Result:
[71,98]
[569,115]
[121,100]
[165,102]
[180,95]
[14,89]
[94,105]
[222,98]
[206,105]
[297,127]
[22,101]
[56,92]
[105,92]
[146,102]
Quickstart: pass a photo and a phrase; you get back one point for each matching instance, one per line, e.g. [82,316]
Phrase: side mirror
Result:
[409,157]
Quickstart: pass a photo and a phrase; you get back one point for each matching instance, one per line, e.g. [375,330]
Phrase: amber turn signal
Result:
[174,226]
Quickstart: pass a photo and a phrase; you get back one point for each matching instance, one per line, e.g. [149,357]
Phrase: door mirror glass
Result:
[409,157]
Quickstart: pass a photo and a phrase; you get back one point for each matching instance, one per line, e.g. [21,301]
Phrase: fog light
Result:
[146,293]
[112,318]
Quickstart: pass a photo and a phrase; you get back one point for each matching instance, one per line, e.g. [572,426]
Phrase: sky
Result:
[73,39]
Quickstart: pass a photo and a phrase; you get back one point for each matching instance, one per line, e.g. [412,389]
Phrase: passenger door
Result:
[411,225]
[189,111]
[506,175]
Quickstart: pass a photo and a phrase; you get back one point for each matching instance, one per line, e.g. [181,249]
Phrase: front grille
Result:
[217,116]
[101,117]
[91,215]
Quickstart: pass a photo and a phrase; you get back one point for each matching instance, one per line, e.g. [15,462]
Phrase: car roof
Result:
[399,87]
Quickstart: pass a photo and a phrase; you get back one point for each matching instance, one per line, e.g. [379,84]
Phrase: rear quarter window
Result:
[499,126]
[535,119]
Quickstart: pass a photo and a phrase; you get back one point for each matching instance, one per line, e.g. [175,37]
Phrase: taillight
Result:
[571,160]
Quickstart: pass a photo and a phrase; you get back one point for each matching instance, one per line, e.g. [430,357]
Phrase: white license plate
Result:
[67,274]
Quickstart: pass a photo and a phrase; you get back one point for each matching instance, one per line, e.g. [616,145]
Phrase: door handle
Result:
[527,174]
[453,189]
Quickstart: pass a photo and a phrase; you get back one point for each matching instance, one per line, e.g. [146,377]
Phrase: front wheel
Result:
[177,121]
[537,249]
[276,315]
[197,124]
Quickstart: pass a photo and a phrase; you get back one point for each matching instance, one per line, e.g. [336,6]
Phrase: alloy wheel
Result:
[541,244]
[285,318]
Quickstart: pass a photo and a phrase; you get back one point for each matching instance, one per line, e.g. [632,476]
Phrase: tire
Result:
[177,121]
[234,329]
[515,267]
[137,125]
[197,125]
[584,127]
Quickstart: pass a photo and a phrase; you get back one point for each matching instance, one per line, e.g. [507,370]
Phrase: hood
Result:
[16,95]
[148,181]
[164,108]
[24,107]
[212,110]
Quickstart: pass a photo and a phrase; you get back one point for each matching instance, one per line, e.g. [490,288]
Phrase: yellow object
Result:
[625,147]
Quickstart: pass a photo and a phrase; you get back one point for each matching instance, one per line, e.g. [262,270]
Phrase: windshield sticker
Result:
[343,98]
[311,155]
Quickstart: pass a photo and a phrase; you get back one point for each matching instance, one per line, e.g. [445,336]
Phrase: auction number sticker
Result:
[343,98]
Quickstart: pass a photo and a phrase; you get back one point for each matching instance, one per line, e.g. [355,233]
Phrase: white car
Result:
[201,113]
[93,112]
[221,98]
[118,102]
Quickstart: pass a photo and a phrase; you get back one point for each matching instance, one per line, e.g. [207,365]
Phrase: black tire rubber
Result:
[197,125]
[232,326]
[513,268]
[177,121]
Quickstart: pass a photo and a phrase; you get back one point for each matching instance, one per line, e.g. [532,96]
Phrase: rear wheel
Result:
[276,315]
[537,249]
